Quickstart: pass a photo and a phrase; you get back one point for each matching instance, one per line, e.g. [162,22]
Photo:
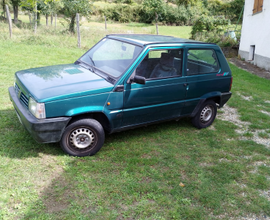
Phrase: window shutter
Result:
[258,6]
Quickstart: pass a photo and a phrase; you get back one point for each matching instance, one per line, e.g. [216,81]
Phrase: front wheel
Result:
[206,115]
[82,138]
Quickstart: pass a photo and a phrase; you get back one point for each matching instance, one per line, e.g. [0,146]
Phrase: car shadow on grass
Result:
[105,185]
[136,175]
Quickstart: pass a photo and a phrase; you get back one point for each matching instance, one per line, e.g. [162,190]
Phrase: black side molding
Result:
[197,107]
[224,97]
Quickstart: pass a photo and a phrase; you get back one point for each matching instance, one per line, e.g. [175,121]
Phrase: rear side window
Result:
[202,61]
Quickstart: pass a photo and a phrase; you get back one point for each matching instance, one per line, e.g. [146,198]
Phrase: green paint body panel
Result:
[73,90]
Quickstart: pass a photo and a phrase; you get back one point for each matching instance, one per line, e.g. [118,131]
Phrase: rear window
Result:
[202,61]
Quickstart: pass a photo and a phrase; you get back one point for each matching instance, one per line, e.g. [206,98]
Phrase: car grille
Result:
[21,95]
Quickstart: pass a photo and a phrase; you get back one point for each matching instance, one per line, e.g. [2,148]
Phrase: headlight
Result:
[37,109]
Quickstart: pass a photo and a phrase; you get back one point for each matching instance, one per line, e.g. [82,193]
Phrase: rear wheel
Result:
[206,115]
[84,137]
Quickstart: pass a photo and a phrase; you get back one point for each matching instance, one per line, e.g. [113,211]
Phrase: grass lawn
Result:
[166,171]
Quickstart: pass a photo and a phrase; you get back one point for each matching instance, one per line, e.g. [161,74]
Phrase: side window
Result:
[201,61]
[161,64]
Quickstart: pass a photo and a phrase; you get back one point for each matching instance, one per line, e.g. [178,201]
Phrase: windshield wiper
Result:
[86,66]
[92,60]
[99,72]
[92,66]
[110,79]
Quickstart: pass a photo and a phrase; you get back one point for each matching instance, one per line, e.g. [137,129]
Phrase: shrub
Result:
[208,24]
[120,12]
[145,13]
[176,15]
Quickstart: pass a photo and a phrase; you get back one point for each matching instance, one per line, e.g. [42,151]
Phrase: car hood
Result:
[61,81]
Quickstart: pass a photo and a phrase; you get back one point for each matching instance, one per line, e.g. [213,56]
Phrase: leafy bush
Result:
[214,30]
[208,24]
[176,15]
[230,9]
[120,12]
[145,13]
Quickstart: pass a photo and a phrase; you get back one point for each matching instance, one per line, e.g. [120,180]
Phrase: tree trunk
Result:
[30,17]
[4,10]
[38,17]
[51,19]
[47,19]
[16,12]
[72,24]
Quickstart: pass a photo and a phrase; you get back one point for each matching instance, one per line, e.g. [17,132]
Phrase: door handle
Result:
[186,85]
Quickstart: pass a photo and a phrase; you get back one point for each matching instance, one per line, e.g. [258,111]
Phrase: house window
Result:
[258,6]
[251,52]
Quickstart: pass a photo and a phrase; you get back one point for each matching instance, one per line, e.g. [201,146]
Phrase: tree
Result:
[15,5]
[3,6]
[153,8]
[71,7]
[45,9]
[40,6]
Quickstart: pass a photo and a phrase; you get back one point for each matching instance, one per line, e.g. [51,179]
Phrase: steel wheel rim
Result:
[82,138]
[206,114]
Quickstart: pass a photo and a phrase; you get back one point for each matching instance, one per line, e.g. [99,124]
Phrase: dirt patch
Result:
[250,68]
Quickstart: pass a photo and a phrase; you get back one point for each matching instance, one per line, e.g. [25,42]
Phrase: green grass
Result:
[137,173]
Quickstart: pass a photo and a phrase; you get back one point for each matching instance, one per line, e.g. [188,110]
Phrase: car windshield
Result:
[111,56]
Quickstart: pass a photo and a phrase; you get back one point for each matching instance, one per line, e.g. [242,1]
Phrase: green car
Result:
[122,82]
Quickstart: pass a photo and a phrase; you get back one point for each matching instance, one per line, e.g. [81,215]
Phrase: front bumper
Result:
[43,130]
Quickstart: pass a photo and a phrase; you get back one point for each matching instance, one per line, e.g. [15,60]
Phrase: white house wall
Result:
[256,32]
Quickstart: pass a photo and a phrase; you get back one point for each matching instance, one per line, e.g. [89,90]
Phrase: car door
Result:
[202,73]
[163,94]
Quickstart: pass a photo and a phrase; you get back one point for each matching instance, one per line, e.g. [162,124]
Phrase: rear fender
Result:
[215,96]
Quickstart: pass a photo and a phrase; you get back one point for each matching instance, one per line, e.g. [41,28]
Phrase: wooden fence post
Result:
[105,23]
[35,15]
[156,22]
[30,17]
[78,29]
[55,20]
[51,19]
[9,21]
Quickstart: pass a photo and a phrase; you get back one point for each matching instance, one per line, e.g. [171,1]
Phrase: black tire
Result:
[206,115]
[82,138]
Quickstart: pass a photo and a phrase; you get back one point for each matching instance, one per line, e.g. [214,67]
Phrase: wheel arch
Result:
[99,116]
[216,98]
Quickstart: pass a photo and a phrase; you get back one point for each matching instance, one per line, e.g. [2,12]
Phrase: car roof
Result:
[147,39]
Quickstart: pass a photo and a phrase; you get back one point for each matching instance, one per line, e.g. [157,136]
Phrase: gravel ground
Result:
[231,115]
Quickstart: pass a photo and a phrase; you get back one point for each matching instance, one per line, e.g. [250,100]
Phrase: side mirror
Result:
[138,79]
